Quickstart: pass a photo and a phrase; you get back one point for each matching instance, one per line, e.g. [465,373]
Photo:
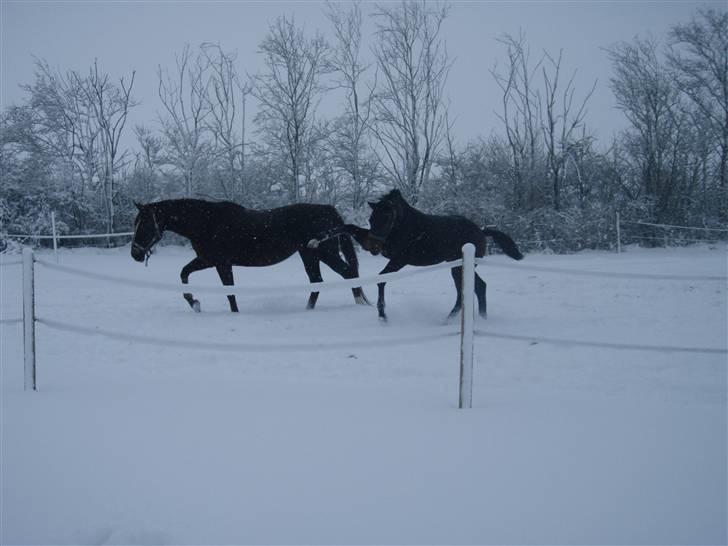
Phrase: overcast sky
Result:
[126,36]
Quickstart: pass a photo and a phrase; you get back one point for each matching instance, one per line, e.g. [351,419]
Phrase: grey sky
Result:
[127,36]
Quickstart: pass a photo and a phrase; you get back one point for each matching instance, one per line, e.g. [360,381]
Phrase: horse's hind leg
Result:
[313,270]
[195,265]
[330,256]
[226,276]
[457,277]
[480,288]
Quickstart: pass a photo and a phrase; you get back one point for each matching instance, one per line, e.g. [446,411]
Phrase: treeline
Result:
[542,175]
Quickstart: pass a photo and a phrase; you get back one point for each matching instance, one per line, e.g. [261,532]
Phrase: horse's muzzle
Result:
[139,253]
[372,245]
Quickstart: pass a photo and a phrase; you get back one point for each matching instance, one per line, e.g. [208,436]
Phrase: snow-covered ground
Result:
[127,443]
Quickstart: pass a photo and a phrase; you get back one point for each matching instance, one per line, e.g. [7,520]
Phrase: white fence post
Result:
[29,318]
[619,236]
[55,235]
[466,325]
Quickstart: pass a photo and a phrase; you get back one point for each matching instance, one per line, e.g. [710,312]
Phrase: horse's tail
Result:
[346,246]
[504,241]
[349,252]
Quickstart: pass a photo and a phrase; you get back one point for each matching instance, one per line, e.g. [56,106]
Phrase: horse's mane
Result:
[191,201]
[392,195]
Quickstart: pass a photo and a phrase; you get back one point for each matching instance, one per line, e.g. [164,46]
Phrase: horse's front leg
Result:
[226,276]
[195,265]
[312,265]
[457,277]
[391,267]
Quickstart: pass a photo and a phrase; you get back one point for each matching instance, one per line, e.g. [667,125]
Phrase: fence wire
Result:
[601,344]
[612,274]
[242,290]
[11,321]
[245,347]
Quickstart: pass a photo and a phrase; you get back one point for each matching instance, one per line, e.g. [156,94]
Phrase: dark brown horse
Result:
[224,234]
[408,236]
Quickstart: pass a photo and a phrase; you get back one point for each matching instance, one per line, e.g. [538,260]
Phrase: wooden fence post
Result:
[29,319]
[466,325]
[55,235]
[619,236]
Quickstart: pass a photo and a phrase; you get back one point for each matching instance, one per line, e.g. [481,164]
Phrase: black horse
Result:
[408,236]
[224,234]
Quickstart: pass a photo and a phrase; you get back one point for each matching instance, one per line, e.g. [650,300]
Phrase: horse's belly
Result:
[262,256]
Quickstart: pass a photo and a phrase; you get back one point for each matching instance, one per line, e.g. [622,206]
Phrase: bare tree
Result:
[144,183]
[226,120]
[79,120]
[647,94]
[520,117]
[63,125]
[351,134]
[110,105]
[698,54]
[288,91]
[562,124]
[409,112]
[184,96]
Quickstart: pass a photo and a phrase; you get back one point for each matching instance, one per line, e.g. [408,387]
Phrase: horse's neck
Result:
[413,213]
[410,218]
[178,219]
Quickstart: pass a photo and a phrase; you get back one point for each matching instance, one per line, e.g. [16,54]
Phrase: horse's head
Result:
[147,232]
[383,219]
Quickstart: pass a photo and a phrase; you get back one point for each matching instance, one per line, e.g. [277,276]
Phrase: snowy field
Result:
[127,443]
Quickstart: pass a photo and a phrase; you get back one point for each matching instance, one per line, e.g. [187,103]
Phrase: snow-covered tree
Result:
[288,90]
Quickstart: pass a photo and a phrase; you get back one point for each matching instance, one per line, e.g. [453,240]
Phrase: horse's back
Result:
[304,221]
[429,239]
[252,237]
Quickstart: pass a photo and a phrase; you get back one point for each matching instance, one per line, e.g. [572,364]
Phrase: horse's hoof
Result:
[361,300]
[196,306]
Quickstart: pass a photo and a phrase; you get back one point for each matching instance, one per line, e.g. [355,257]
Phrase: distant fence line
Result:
[76,236]
[541,244]
[670,226]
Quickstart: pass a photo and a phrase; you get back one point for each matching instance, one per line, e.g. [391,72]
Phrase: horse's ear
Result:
[138,206]
[395,193]
[372,204]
